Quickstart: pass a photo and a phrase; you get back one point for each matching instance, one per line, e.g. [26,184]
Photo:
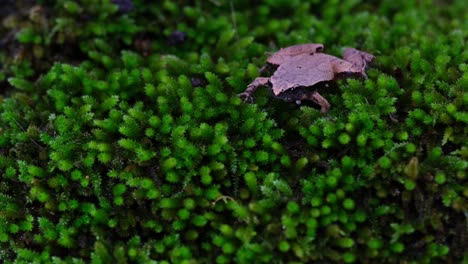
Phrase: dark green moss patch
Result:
[120,144]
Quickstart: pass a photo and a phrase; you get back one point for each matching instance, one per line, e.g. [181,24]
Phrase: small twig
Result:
[224,198]
[215,2]
[233,17]
[24,130]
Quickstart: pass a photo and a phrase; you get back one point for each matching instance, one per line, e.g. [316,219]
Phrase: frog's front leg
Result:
[247,95]
[318,99]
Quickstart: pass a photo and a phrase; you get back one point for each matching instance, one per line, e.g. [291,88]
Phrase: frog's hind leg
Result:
[318,99]
[247,95]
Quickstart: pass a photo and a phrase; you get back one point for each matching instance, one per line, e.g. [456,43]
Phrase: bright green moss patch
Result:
[122,138]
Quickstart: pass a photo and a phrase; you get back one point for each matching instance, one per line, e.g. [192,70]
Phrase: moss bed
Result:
[123,140]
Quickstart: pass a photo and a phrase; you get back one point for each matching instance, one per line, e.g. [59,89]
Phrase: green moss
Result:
[119,143]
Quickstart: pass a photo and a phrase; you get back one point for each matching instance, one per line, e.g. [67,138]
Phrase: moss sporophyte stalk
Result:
[123,138]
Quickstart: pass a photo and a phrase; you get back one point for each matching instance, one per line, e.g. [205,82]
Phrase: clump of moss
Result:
[118,144]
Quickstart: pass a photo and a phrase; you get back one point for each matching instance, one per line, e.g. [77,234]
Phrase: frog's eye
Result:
[319,49]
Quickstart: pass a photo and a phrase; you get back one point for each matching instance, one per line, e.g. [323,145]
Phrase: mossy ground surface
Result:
[123,140]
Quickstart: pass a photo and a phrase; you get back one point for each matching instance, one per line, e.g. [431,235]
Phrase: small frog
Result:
[300,68]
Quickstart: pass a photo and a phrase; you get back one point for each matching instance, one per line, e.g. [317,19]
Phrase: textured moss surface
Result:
[122,138]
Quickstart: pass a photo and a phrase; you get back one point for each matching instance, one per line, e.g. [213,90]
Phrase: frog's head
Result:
[358,57]
[351,72]
[317,47]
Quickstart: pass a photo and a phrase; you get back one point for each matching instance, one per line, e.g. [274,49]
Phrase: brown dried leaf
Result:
[284,54]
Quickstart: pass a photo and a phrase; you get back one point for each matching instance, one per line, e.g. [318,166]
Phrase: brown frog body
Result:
[302,67]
